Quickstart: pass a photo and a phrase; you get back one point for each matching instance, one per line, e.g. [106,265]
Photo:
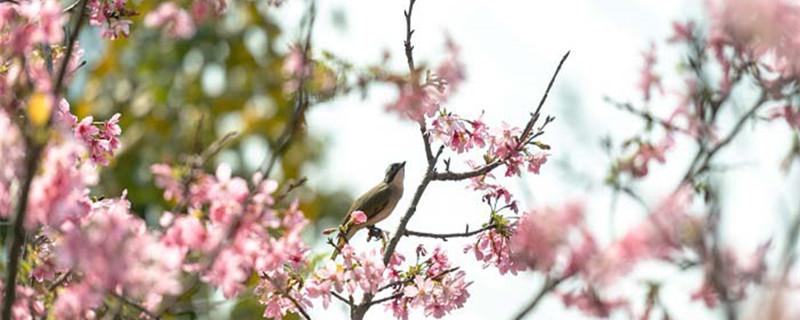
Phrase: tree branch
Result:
[301,101]
[445,236]
[32,159]
[703,159]
[525,137]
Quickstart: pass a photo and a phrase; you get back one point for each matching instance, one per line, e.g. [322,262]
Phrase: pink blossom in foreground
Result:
[60,192]
[176,22]
[113,250]
[11,160]
[47,19]
[28,303]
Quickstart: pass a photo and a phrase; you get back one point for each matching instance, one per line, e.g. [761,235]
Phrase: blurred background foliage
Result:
[177,97]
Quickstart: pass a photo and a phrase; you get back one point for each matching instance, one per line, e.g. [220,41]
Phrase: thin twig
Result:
[647,116]
[445,236]
[301,101]
[285,292]
[285,139]
[59,281]
[702,160]
[526,136]
[342,299]
[398,282]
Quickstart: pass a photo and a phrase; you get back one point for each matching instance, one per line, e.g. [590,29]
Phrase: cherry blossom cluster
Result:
[113,16]
[431,284]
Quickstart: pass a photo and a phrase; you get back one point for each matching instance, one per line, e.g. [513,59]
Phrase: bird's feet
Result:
[375,233]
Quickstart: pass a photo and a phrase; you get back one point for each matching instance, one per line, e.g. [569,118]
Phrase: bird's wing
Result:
[371,202]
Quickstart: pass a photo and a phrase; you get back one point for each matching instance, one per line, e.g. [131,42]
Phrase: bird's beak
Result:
[402,164]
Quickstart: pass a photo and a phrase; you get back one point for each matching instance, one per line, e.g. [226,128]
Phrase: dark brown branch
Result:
[342,299]
[538,111]
[445,236]
[549,285]
[17,233]
[291,186]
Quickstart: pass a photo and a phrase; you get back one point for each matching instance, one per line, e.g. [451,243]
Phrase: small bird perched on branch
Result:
[377,204]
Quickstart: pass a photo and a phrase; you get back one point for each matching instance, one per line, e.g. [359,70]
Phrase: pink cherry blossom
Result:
[204,9]
[60,193]
[11,157]
[416,103]
[358,217]
[439,291]
[492,248]
[542,233]
[638,164]
[47,17]
[29,304]
[589,301]
[177,23]
[166,179]
[648,79]
[788,113]
[668,228]
[459,134]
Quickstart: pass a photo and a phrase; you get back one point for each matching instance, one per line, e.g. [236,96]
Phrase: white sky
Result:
[511,49]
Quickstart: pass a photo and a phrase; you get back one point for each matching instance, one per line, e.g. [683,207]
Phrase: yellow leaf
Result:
[39,107]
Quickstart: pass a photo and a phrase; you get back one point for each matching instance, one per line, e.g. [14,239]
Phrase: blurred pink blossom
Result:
[176,22]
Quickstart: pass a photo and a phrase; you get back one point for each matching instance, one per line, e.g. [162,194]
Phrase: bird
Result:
[377,204]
